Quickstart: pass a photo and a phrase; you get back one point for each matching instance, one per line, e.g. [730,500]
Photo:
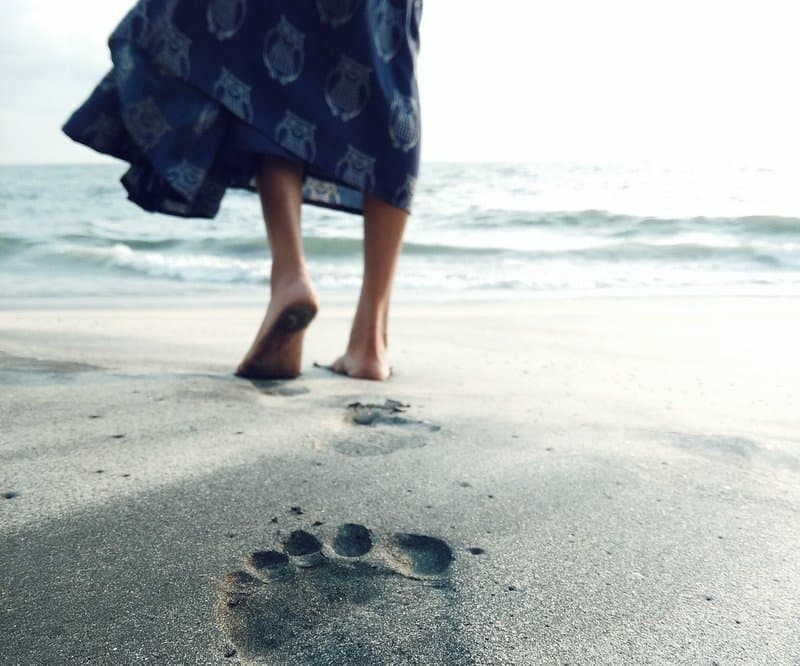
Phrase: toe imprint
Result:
[417,555]
[352,540]
[354,610]
[305,548]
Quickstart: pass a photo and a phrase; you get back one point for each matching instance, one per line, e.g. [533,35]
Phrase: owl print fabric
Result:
[200,92]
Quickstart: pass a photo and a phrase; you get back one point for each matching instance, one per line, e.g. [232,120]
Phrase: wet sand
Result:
[566,481]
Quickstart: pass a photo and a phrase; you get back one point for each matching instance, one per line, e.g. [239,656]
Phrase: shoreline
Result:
[255,296]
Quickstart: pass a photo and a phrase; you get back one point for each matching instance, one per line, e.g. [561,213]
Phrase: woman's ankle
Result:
[290,278]
[367,340]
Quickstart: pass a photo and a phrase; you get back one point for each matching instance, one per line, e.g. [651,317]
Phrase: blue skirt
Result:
[199,92]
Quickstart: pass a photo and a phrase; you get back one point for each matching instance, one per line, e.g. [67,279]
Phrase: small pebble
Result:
[230,652]
[476,551]
[317,523]
[117,436]
[10,494]
[709,597]
[296,510]
[274,519]
[99,471]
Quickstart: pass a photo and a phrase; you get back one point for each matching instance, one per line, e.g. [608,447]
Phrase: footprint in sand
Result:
[733,448]
[353,601]
[279,387]
[216,388]
[385,428]
[20,369]
[391,412]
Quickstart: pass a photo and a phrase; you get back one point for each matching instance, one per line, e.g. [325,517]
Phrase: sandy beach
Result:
[542,481]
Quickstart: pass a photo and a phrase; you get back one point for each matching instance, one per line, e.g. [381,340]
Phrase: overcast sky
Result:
[578,80]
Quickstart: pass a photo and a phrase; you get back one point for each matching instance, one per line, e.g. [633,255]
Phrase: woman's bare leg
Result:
[383,238]
[278,347]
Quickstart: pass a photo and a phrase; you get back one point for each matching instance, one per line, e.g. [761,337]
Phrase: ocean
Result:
[69,232]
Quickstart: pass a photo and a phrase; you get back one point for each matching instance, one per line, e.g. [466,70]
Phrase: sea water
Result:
[549,228]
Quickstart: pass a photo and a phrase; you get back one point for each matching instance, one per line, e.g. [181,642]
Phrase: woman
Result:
[309,101]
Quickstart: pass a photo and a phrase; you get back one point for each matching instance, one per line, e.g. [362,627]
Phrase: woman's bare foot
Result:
[277,351]
[361,365]
[366,356]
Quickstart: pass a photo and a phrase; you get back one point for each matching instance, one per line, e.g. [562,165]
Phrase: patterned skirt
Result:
[199,92]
